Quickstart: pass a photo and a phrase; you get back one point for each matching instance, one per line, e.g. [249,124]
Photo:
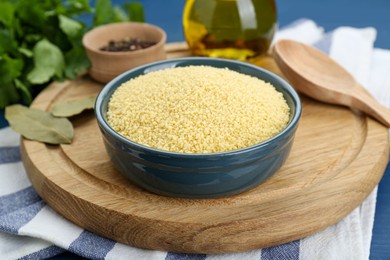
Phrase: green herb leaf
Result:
[76,62]
[7,42]
[73,107]
[55,35]
[32,37]
[136,11]
[119,15]
[75,7]
[39,125]
[72,28]
[6,14]
[48,61]
[25,52]
[9,69]
[31,13]
[103,12]
[42,41]
[24,90]
[8,94]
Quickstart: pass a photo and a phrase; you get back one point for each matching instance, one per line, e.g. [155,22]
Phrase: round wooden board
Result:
[337,158]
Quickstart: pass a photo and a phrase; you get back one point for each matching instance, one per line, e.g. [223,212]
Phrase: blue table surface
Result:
[329,15]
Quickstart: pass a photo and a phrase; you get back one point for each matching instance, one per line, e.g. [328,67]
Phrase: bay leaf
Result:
[73,107]
[39,125]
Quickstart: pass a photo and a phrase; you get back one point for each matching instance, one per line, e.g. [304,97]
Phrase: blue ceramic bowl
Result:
[198,175]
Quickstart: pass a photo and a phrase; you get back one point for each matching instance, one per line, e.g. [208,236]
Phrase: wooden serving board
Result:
[338,157]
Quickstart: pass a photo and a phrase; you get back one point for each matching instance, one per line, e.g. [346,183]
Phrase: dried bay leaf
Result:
[73,107]
[39,125]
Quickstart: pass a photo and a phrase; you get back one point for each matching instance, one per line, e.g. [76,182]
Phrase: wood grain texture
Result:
[318,76]
[338,157]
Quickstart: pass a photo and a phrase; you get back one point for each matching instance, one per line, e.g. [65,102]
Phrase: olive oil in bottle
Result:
[233,29]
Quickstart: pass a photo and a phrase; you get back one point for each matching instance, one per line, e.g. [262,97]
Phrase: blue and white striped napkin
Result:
[30,229]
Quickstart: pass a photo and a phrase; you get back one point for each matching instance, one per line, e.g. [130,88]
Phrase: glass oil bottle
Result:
[233,29]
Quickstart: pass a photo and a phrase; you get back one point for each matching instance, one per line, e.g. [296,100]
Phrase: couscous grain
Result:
[197,109]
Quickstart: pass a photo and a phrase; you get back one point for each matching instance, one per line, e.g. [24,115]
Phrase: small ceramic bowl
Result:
[198,175]
[106,65]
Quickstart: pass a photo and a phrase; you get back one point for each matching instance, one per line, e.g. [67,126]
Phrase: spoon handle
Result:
[365,102]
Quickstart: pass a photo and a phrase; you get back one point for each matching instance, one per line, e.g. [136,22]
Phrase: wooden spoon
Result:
[316,75]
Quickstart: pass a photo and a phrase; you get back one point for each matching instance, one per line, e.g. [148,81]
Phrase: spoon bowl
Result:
[316,75]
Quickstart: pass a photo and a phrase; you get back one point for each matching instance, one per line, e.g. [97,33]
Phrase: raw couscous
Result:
[197,109]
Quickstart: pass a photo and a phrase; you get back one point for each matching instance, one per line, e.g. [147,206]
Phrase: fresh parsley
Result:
[40,41]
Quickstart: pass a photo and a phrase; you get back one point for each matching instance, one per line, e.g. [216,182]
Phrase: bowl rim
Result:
[112,85]
[124,53]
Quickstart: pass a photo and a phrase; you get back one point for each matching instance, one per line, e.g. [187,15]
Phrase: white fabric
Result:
[126,252]
[9,137]
[305,31]
[13,178]
[350,238]
[355,58]
[50,226]
[14,247]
